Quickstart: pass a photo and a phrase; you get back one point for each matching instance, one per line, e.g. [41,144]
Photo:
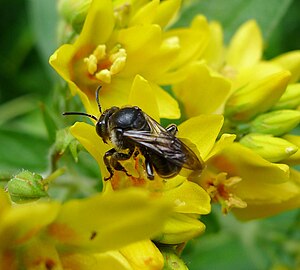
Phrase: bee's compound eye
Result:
[102,130]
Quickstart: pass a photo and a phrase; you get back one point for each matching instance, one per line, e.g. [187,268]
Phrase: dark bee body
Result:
[129,128]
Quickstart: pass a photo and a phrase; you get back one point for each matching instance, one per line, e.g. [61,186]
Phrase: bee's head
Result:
[102,122]
[102,125]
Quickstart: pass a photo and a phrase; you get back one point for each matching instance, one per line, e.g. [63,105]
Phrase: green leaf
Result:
[16,107]
[232,13]
[21,150]
[49,122]
[43,17]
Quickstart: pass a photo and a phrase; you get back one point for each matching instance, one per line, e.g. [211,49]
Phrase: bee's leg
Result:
[149,168]
[172,129]
[106,160]
[117,156]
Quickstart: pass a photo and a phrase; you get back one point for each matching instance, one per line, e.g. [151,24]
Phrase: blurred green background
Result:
[29,95]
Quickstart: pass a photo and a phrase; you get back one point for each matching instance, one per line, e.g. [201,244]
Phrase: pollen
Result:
[100,52]
[220,188]
[104,75]
[103,65]
[91,62]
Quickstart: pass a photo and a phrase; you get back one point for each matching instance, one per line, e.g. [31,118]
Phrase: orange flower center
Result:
[221,189]
[103,65]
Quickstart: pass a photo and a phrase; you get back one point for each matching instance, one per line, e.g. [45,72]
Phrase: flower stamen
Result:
[103,65]
[220,190]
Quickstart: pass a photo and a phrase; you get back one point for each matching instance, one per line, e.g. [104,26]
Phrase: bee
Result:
[129,128]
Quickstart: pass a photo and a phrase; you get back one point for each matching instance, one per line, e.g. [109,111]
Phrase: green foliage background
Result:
[31,95]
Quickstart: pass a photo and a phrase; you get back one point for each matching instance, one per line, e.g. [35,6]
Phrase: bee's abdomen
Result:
[163,167]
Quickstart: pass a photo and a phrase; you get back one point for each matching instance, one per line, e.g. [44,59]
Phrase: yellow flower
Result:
[266,188]
[109,55]
[251,93]
[241,60]
[50,234]
[190,200]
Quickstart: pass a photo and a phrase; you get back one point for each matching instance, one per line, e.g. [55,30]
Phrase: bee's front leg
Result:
[106,160]
[113,162]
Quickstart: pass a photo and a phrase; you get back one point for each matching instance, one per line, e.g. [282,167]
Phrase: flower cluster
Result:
[236,110]
[261,109]
[134,56]
[50,235]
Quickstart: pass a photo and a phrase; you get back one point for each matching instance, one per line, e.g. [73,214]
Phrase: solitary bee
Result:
[130,128]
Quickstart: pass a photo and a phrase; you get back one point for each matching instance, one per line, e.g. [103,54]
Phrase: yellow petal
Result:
[100,17]
[202,131]
[40,254]
[60,60]
[87,136]
[167,105]
[145,14]
[180,228]
[192,41]
[142,95]
[173,76]
[254,73]
[114,94]
[291,62]
[222,143]
[109,221]
[238,160]
[202,91]
[22,222]
[162,61]
[143,255]
[95,261]
[141,43]
[166,11]
[246,46]
[283,197]
[255,192]
[189,198]
[214,52]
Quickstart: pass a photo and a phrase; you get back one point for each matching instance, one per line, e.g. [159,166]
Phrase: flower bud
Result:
[270,148]
[256,97]
[65,140]
[290,98]
[180,228]
[143,255]
[26,186]
[74,12]
[291,62]
[172,261]
[293,159]
[276,123]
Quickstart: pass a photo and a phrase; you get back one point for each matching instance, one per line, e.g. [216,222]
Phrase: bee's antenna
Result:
[81,113]
[97,98]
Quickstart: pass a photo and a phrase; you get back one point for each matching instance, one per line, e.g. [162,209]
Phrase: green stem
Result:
[54,175]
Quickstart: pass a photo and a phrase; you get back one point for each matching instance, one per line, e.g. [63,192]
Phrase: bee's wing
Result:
[160,141]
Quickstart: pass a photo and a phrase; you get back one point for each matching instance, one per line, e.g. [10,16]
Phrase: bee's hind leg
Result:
[172,129]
